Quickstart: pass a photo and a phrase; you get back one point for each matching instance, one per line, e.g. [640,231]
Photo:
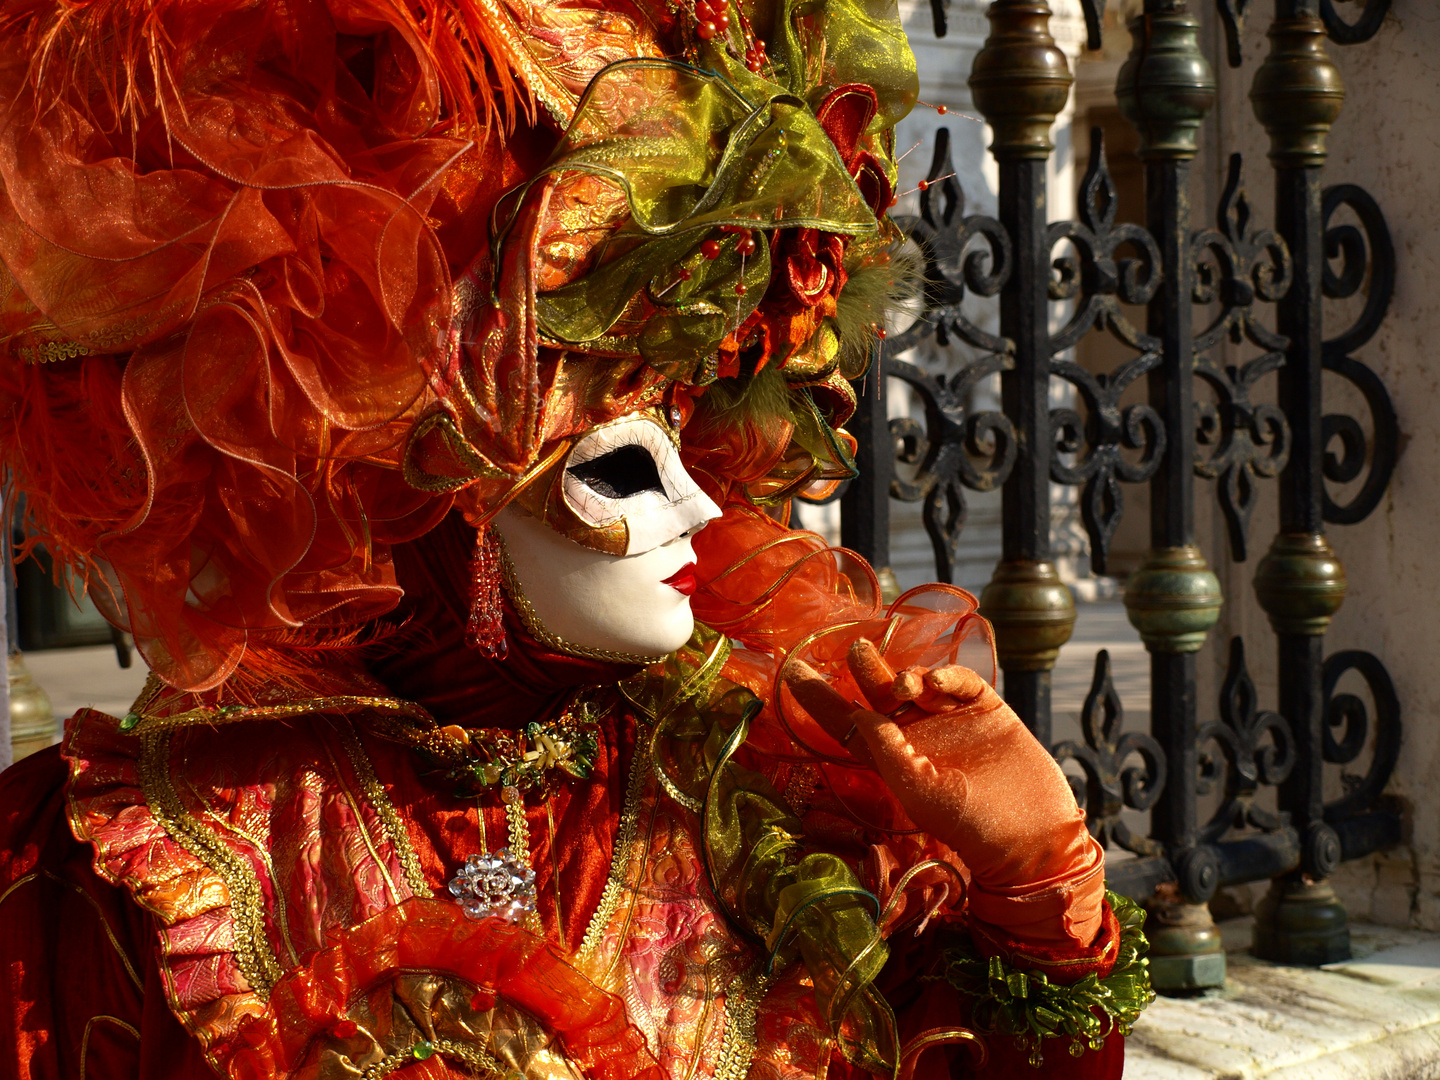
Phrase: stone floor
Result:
[1374,1017]
[88,677]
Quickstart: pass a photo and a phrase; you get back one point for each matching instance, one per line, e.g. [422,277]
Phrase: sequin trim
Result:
[385,809]
[252,953]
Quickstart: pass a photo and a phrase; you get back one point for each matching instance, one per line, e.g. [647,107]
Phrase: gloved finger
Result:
[875,677]
[822,701]
[960,683]
[910,686]
[902,767]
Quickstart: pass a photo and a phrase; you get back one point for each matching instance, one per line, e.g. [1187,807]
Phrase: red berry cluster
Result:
[745,244]
[755,57]
[745,239]
[711,17]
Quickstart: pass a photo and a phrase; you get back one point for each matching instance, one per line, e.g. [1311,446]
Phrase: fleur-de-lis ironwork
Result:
[1109,785]
[1352,246]
[1102,282]
[954,261]
[1324,243]
[1365,26]
[1232,17]
[1237,266]
[956,448]
[1257,747]
[1347,717]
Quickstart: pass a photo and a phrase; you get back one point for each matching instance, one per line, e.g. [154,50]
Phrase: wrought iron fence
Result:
[1200,286]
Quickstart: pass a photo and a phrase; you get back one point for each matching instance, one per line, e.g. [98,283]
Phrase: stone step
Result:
[1374,1017]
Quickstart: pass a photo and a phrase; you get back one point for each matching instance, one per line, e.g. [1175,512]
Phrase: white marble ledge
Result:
[1374,1017]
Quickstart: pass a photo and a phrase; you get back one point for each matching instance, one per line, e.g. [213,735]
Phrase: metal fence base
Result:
[1301,923]
[1172,973]
[1185,948]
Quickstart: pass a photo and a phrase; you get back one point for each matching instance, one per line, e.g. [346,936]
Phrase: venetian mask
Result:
[600,548]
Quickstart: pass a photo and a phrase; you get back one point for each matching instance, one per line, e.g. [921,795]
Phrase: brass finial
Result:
[1297,93]
[1020,80]
[1300,583]
[1173,599]
[1033,614]
[1165,87]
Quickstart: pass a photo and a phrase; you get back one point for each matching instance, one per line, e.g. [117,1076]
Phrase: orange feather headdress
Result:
[282,282]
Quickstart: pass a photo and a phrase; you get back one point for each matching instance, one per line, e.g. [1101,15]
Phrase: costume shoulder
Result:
[75,954]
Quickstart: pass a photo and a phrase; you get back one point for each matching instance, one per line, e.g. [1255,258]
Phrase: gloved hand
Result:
[969,773]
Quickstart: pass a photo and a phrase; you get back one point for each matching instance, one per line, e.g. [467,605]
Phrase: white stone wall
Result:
[1387,140]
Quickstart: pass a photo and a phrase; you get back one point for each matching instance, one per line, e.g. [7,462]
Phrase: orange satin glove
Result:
[969,773]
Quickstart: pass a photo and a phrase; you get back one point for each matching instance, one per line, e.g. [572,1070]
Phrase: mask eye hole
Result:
[623,472]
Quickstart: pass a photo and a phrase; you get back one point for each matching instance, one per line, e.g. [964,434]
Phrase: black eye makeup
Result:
[623,472]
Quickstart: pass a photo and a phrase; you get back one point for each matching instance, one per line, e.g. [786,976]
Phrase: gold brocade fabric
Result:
[794,904]
[301,939]
[227,849]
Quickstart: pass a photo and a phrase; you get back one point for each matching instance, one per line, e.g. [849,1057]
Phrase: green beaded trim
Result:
[528,759]
[1028,1006]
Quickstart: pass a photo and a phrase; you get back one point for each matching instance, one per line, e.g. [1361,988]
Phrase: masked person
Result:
[423,387]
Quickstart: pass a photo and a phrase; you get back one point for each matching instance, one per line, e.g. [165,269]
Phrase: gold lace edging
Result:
[256,960]
[625,837]
[737,1049]
[385,810]
[470,1055]
[142,723]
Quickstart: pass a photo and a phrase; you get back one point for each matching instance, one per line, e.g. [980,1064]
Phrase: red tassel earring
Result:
[486,629]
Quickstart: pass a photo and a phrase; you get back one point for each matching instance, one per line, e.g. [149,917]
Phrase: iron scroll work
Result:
[1212,367]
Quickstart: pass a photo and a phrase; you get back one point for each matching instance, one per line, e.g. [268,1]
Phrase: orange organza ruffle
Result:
[498,959]
[263,204]
[231,234]
[1030,864]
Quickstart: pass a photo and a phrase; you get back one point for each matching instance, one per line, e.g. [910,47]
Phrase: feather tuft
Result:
[129,59]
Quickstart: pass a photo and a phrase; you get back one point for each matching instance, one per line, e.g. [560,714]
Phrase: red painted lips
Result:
[684,580]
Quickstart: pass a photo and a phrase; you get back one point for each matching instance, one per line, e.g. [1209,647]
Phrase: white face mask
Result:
[638,603]
[630,470]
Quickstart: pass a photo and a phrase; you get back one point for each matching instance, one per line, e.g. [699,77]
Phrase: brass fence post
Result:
[1297,96]
[1020,81]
